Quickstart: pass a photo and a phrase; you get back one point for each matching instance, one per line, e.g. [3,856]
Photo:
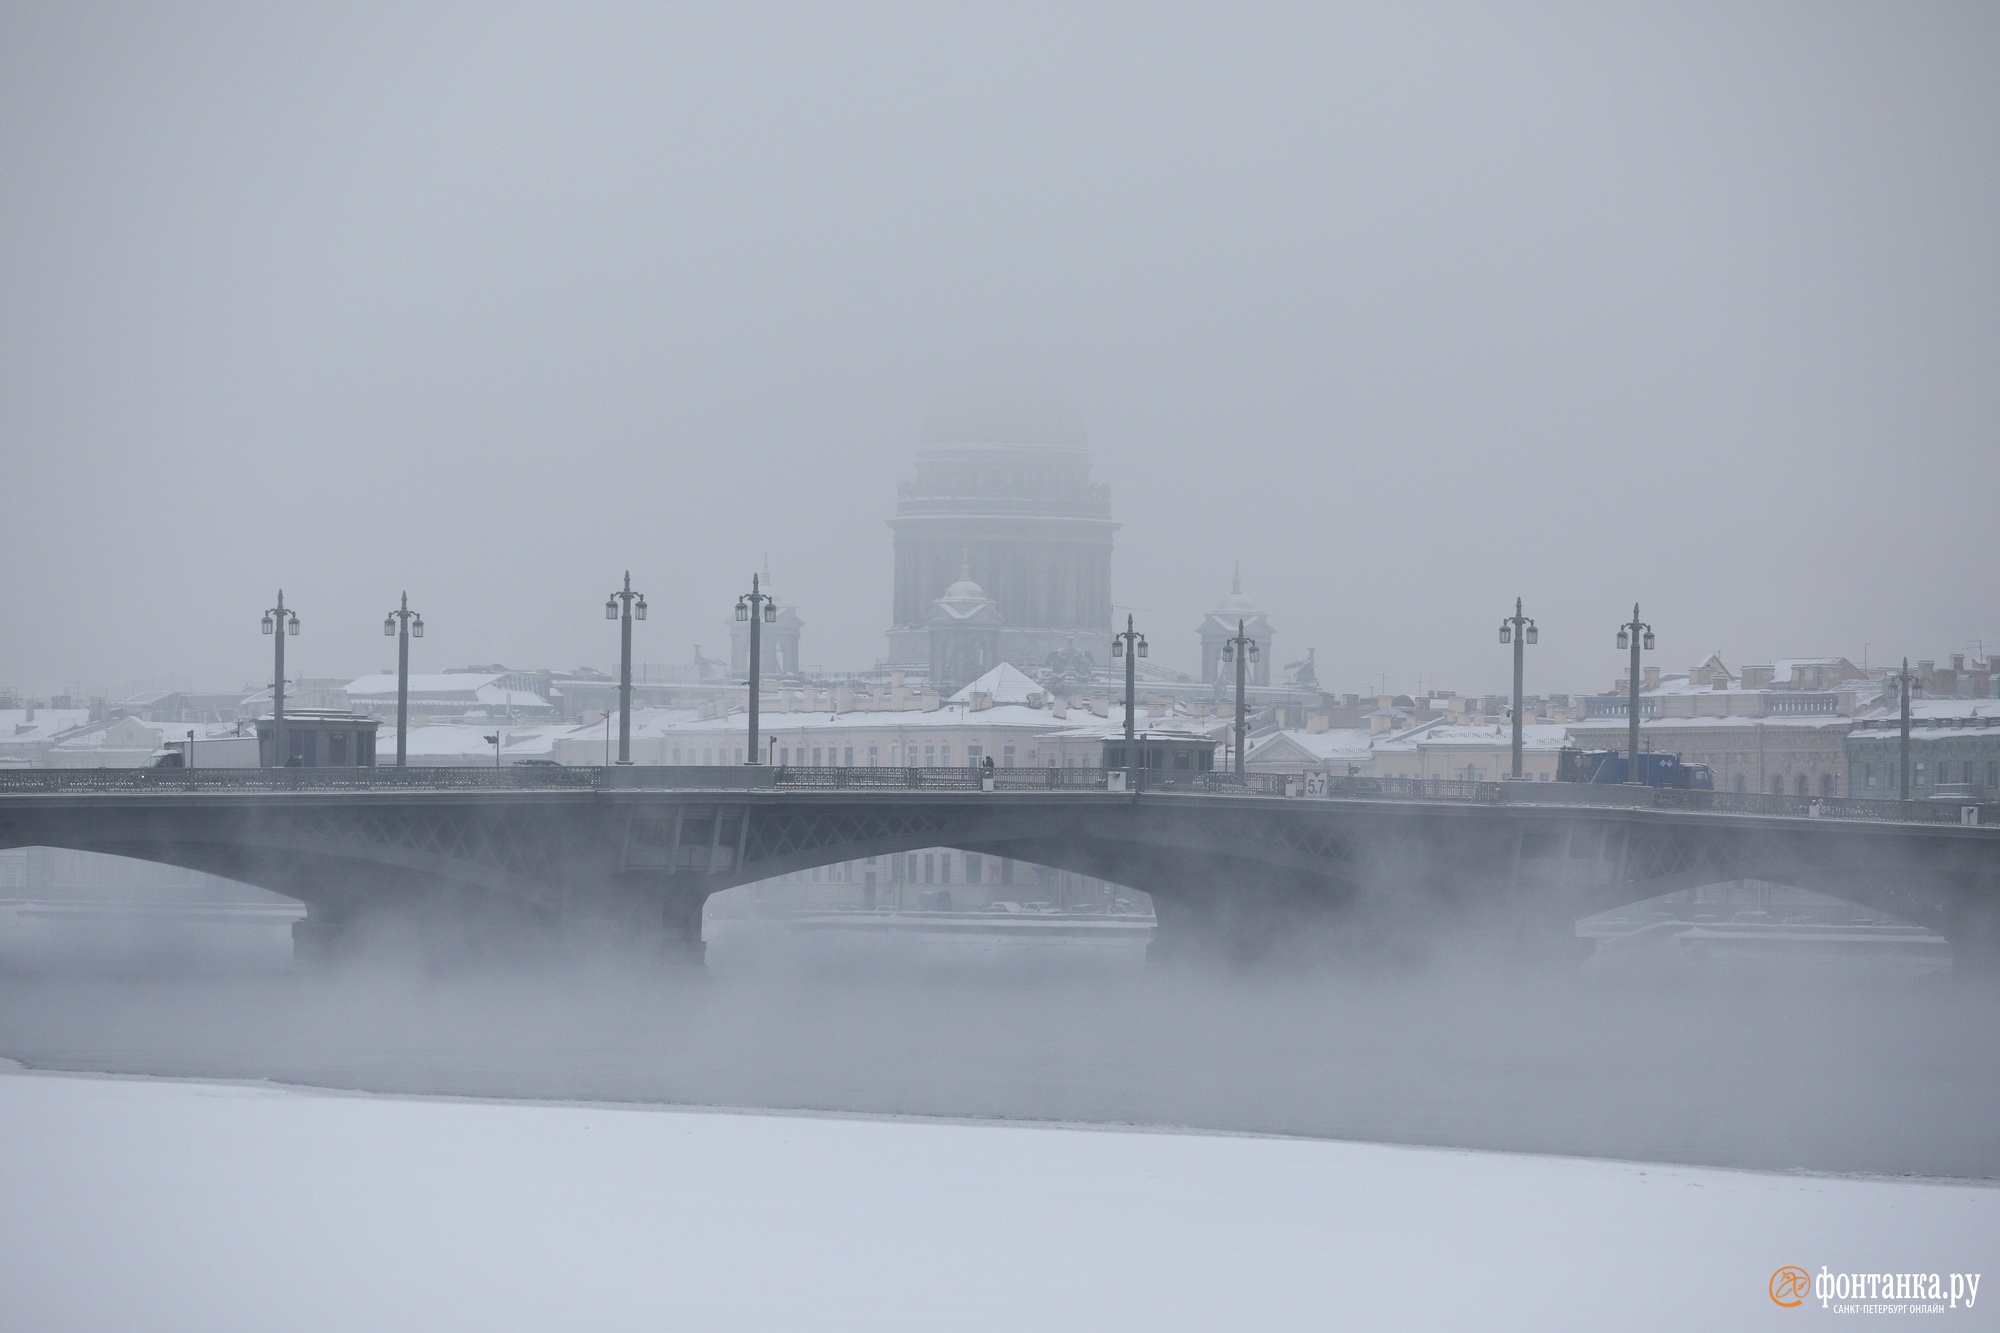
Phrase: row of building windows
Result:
[691,755]
[931,755]
[1943,772]
[1829,784]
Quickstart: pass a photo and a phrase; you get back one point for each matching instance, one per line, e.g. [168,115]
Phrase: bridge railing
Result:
[297,779]
[1821,807]
[551,777]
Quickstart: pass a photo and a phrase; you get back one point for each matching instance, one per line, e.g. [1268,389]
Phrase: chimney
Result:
[1758,677]
[1958,661]
[981,701]
[1315,724]
[1060,708]
[1378,723]
[1652,678]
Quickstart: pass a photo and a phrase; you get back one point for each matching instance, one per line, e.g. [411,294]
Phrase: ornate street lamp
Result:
[1520,631]
[1131,645]
[278,623]
[1634,633]
[1241,650]
[759,609]
[406,625]
[1905,682]
[625,606]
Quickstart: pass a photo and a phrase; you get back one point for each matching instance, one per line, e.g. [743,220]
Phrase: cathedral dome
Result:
[1236,603]
[964,590]
[992,416]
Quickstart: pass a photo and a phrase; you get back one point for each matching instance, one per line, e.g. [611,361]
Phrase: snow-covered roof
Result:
[461,684]
[1784,667]
[474,690]
[1601,726]
[1080,725]
[1333,743]
[675,722]
[1683,685]
[1004,684]
[1534,736]
[1933,712]
[47,724]
[455,740]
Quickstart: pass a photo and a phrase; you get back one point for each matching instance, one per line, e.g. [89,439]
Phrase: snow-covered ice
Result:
[157,1205]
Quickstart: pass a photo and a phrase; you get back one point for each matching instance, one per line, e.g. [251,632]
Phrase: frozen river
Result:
[162,1205]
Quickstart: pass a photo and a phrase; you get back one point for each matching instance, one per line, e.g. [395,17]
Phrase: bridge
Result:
[1235,866]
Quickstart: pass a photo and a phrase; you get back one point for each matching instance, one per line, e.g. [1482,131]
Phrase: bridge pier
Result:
[1973,928]
[657,921]
[319,937]
[1238,925]
[681,944]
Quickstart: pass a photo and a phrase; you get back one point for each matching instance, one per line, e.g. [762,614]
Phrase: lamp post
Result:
[406,625]
[279,622]
[1520,631]
[1634,633]
[1906,681]
[757,608]
[1131,645]
[1241,650]
[625,606]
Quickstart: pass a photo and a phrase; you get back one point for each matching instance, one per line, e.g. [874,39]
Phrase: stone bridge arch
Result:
[1240,870]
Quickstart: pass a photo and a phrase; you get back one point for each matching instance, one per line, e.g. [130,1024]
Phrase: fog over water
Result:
[1789,1066]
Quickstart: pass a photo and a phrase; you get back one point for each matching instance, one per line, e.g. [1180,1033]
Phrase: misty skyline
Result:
[1409,313]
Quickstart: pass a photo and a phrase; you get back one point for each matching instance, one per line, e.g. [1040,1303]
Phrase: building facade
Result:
[1954,751]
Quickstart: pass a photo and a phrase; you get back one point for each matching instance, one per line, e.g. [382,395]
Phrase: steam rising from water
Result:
[1782,1068]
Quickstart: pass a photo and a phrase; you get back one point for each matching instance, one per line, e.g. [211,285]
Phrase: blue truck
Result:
[1610,767]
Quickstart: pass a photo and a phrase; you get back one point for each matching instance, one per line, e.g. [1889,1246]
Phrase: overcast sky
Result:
[1410,309]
